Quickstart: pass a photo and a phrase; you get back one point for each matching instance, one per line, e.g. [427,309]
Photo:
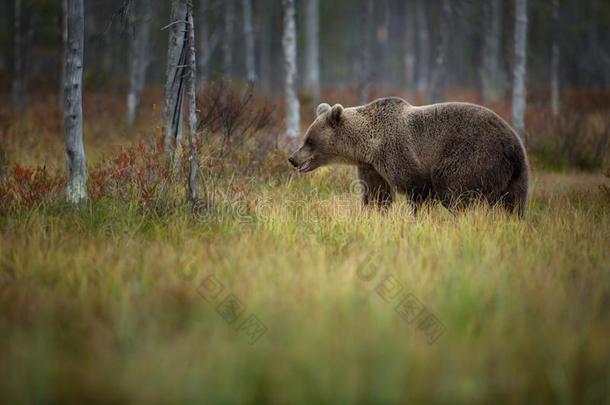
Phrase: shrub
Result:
[28,186]
[136,172]
[576,139]
[238,132]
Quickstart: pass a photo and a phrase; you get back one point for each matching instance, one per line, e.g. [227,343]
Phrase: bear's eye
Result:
[309,142]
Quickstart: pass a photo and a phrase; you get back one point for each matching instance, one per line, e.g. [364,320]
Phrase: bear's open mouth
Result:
[305,166]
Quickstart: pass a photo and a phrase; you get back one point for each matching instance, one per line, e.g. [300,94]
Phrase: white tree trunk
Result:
[64,40]
[73,109]
[312,50]
[203,40]
[440,63]
[192,83]
[423,38]
[380,53]
[227,41]
[207,39]
[174,81]
[492,40]
[289,44]
[265,51]
[139,57]
[520,68]
[365,67]
[249,41]
[555,61]
[410,45]
[18,84]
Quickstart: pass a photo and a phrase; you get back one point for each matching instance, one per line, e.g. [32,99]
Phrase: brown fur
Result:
[452,152]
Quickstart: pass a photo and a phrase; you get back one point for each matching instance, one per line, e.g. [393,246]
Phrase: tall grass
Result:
[107,303]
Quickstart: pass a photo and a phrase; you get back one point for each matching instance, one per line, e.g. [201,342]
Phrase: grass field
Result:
[116,304]
[282,288]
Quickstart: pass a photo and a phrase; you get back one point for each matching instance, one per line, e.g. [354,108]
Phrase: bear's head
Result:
[321,144]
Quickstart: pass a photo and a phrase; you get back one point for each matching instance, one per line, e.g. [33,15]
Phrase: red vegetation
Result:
[28,186]
[136,172]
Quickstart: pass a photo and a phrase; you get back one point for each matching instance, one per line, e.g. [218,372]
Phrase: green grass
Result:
[106,304]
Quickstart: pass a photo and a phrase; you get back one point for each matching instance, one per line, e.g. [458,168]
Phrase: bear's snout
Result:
[293,161]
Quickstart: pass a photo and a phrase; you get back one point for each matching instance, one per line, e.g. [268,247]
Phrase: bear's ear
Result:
[336,114]
[322,108]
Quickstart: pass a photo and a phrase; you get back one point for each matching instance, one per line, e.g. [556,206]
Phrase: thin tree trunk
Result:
[410,45]
[207,39]
[64,40]
[73,109]
[175,72]
[204,46]
[593,48]
[114,34]
[227,43]
[18,84]
[520,67]
[440,64]
[423,38]
[312,50]
[382,32]
[555,61]
[249,41]
[139,57]
[492,40]
[289,44]
[365,71]
[193,141]
[266,15]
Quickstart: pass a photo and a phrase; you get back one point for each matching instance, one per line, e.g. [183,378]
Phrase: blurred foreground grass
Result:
[113,304]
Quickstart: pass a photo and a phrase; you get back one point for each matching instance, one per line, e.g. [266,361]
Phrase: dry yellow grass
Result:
[109,303]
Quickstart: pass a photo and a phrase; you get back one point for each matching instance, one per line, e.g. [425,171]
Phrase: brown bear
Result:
[452,152]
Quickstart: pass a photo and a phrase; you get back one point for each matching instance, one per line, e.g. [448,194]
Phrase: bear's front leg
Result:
[375,190]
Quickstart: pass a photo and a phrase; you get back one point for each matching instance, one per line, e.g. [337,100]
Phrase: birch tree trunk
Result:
[410,44]
[207,39]
[139,57]
[192,106]
[365,73]
[18,84]
[63,17]
[492,40]
[111,36]
[555,61]
[227,43]
[174,81]
[249,41]
[312,50]
[289,45]
[204,45]
[440,64]
[380,49]
[423,39]
[519,70]
[73,110]
[265,53]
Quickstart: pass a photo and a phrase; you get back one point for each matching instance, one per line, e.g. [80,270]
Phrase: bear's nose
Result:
[292,161]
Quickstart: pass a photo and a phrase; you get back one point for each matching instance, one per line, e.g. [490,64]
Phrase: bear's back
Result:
[434,129]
